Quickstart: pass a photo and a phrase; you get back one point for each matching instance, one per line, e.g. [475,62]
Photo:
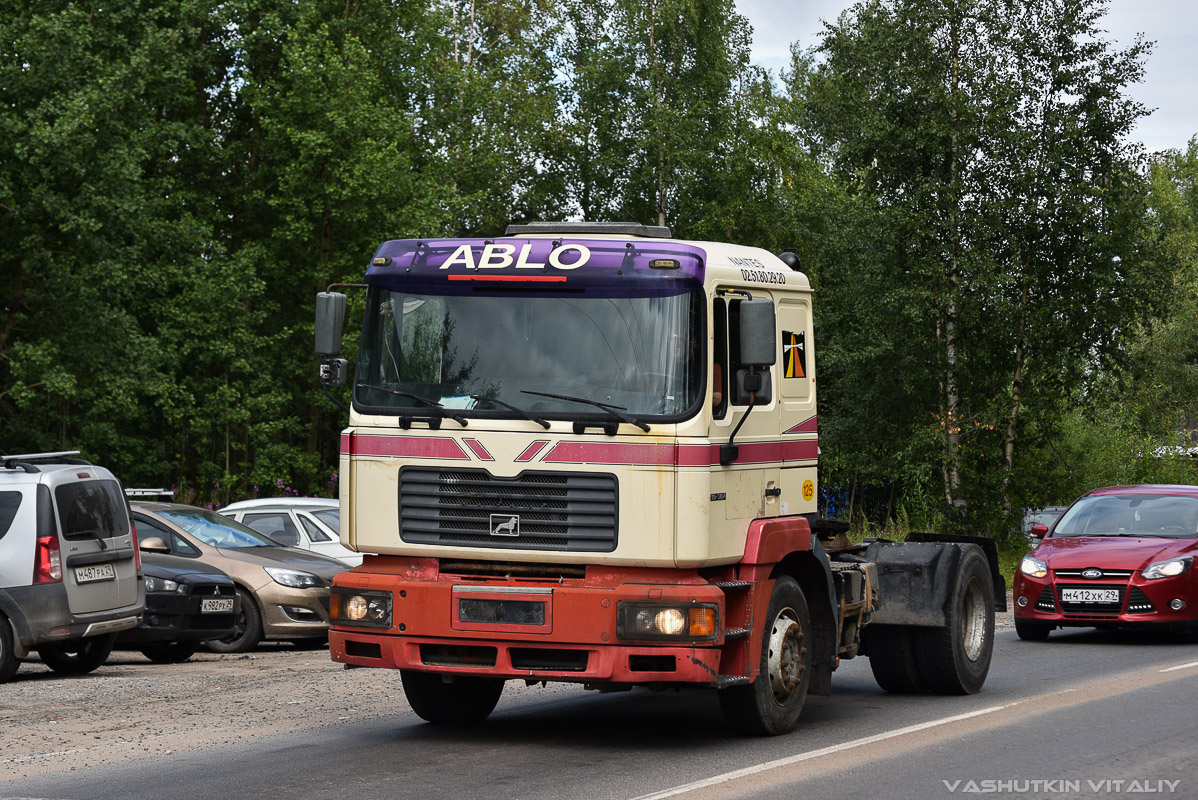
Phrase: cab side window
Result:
[719,358]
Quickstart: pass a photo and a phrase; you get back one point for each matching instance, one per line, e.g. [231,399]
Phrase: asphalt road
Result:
[1085,714]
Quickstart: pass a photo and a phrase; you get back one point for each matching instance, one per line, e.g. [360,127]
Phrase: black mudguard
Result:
[915,579]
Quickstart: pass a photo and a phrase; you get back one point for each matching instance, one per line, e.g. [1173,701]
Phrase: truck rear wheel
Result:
[461,701]
[77,657]
[955,659]
[892,658]
[771,704]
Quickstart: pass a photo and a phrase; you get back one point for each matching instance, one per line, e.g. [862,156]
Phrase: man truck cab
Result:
[588,452]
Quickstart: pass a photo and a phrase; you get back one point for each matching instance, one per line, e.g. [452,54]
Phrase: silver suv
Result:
[70,573]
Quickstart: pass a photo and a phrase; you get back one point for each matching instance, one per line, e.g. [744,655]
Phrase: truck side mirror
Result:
[330,320]
[758,350]
[758,333]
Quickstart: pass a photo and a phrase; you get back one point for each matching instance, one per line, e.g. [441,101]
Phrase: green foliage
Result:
[994,264]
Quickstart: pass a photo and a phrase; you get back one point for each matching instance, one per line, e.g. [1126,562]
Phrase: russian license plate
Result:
[1089,595]
[96,572]
[217,605]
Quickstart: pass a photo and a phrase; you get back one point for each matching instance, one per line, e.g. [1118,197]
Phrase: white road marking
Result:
[1191,665]
[785,762]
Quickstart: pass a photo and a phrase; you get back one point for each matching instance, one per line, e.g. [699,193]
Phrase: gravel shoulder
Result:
[131,708]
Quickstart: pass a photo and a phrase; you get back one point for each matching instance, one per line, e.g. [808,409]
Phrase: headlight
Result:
[160,584]
[1167,569]
[360,607]
[293,578]
[1034,567]
[687,622]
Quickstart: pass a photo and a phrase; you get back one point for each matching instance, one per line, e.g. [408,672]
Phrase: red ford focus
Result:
[1119,556]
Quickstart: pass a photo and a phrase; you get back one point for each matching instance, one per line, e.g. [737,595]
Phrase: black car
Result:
[187,603]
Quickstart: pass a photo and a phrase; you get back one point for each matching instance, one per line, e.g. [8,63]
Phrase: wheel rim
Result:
[973,614]
[787,652]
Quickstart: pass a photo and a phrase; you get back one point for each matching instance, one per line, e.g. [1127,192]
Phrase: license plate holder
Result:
[216,605]
[1079,595]
[93,573]
[514,609]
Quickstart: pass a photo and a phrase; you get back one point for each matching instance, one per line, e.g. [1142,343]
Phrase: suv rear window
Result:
[89,506]
[9,503]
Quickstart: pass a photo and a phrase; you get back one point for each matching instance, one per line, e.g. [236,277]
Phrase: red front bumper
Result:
[1140,601]
[573,637]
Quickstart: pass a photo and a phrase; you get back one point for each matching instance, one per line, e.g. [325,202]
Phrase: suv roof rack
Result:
[617,228]
[23,462]
[149,493]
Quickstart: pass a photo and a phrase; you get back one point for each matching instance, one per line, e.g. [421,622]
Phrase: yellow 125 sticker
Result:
[808,490]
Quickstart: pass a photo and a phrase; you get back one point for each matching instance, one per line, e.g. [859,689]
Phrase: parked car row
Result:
[83,569]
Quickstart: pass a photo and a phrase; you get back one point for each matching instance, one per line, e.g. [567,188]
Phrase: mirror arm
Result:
[335,401]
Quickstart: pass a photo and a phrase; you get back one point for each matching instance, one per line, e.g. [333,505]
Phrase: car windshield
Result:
[1170,516]
[636,354]
[215,530]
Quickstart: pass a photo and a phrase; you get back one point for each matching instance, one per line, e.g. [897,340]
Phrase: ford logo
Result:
[1091,573]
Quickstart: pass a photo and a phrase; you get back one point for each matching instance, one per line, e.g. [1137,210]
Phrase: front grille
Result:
[1138,602]
[213,590]
[574,512]
[1105,574]
[1046,602]
[1092,608]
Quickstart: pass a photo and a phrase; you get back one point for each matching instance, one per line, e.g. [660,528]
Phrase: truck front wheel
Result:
[771,704]
[460,701]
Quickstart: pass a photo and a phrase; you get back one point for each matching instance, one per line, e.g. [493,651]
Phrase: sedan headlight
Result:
[360,607]
[1034,567]
[683,622]
[293,578]
[1167,569]
[161,584]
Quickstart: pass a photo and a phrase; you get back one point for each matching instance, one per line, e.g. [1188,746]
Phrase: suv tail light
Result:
[136,549]
[47,561]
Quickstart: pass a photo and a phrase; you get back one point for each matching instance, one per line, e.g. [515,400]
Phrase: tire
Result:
[9,663]
[77,657]
[170,652]
[1031,631]
[247,631]
[956,659]
[771,705]
[892,658]
[461,701]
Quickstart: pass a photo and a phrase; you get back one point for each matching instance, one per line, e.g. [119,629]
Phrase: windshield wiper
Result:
[511,407]
[458,418]
[613,410]
[95,534]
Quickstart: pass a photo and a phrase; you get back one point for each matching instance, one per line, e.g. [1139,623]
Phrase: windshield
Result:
[637,354]
[217,531]
[1170,516]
